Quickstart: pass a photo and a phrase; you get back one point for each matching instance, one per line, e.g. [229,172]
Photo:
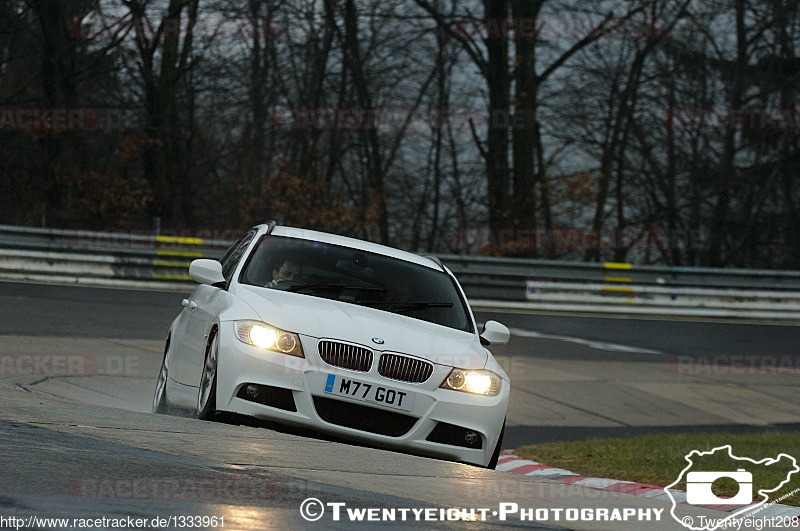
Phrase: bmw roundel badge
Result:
[378,341]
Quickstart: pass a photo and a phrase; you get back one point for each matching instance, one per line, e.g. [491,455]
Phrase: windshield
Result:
[317,269]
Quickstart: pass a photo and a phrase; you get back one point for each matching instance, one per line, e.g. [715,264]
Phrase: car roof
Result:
[361,245]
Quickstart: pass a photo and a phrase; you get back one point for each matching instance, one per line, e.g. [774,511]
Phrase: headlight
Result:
[478,382]
[268,337]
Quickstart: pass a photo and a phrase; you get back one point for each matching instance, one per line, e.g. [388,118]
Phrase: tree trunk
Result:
[524,130]
[498,81]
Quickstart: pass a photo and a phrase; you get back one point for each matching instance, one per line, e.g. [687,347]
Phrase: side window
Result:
[234,254]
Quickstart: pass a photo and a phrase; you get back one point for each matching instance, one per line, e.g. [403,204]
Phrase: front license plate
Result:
[367,392]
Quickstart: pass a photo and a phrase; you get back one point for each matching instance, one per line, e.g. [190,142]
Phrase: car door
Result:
[178,345]
[200,316]
[198,327]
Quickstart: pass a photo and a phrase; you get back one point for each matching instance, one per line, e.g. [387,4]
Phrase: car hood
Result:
[323,318]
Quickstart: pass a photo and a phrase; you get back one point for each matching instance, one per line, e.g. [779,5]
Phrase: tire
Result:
[160,397]
[207,390]
[496,455]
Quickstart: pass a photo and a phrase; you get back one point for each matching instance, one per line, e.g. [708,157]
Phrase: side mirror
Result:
[495,333]
[206,272]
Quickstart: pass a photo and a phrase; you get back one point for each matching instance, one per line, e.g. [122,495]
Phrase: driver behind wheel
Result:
[289,271]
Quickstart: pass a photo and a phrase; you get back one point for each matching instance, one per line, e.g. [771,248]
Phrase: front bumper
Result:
[240,365]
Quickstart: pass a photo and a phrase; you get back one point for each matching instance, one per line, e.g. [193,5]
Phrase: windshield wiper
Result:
[323,288]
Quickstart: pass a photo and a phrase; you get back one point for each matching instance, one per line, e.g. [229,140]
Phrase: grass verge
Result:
[659,459]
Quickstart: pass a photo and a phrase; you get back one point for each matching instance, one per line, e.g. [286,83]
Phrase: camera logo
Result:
[698,488]
[756,480]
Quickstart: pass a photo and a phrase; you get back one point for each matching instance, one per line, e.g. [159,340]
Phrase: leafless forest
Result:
[415,123]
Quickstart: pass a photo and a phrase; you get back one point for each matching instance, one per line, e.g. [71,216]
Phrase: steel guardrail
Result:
[162,261]
[129,255]
[620,273]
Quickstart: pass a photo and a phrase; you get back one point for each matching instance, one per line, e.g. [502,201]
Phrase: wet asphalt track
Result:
[40,310]
[132,314]
[574,377]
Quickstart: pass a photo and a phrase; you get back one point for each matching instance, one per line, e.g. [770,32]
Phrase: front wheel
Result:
[496,455]
[207,392]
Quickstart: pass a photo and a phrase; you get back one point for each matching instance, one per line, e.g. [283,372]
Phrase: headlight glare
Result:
[264,336]
[477,382]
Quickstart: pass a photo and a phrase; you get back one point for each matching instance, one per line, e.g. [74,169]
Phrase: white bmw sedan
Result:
[338,335]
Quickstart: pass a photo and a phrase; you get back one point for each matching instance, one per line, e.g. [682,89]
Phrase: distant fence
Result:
[101,257]
[162,261]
